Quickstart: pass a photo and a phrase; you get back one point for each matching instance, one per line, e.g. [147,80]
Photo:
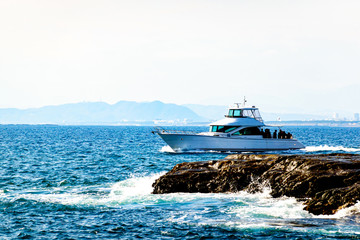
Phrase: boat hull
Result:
[188,142]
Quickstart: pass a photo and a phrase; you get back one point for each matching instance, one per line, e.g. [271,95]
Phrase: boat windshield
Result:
[235,113]
[224,129]
[250,113]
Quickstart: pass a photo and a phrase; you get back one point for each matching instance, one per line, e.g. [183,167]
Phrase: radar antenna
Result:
[238,105]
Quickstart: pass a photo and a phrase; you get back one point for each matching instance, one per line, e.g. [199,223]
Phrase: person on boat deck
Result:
[262,133]
[289,135]
[267,133]
[275,134]
[281,134]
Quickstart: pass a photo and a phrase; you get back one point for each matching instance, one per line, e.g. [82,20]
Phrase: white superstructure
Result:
[241,130]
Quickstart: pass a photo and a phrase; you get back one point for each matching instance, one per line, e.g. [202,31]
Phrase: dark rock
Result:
[327,182]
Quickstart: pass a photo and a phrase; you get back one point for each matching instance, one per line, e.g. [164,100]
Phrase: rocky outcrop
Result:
[325,182]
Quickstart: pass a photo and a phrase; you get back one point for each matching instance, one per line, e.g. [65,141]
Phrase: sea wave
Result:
[136,191]
[326,148]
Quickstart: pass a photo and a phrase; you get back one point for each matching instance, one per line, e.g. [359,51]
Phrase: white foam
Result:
[134,186]
[50,197]
[345,212]
[262,204]
[167,149]
[64,198]
[355,209]
[132,190]
[136,192]
[330,148]
[241,210]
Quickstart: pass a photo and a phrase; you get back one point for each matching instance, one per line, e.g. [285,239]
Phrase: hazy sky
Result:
[294,56]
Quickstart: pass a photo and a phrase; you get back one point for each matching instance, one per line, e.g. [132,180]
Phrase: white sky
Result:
[294,56]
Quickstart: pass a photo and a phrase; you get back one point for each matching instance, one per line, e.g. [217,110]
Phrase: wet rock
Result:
[327,182]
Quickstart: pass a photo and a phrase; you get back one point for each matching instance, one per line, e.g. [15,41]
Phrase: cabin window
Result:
[231,112]
[229,129]
[220,128]
[248,113]
[217,129]
[248,131]
[237,113]
[223,129]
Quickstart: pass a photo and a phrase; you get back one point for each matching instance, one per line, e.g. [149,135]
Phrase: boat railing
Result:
[167,131]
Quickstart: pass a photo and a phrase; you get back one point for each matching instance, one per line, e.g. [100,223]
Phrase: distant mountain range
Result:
[99,113]
[125,112]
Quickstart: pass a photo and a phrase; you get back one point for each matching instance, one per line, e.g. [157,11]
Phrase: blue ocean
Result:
[95,182]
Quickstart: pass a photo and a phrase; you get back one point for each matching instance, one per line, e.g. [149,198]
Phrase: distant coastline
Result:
[325,123]
[156,113]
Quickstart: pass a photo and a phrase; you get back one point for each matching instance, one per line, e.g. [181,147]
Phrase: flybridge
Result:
[244,112]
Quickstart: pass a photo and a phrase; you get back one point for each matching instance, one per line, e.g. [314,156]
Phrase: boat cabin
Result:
[244,113]
[239,121]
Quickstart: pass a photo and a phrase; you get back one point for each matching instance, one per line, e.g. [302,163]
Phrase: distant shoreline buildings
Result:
[336,117]
[356,117]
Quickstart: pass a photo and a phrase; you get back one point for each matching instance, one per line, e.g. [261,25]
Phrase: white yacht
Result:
[242,130]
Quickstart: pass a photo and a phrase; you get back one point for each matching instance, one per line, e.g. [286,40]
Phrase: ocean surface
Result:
[95,182]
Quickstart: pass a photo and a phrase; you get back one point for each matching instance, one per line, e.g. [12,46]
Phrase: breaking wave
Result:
[327,148]
[138,191]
